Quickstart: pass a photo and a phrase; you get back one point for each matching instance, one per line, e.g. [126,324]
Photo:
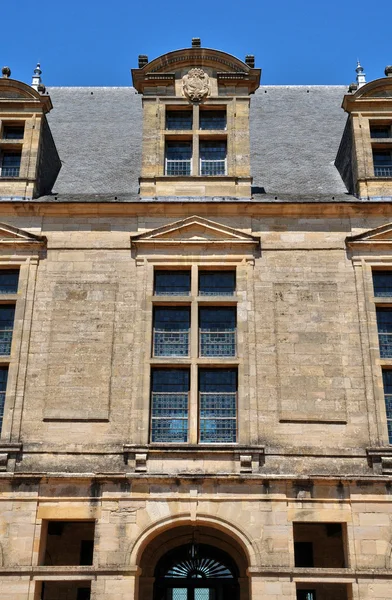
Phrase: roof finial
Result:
[361,75]
[6,72]
[36,82]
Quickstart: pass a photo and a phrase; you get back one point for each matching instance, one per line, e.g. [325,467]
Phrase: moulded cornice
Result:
[13,91]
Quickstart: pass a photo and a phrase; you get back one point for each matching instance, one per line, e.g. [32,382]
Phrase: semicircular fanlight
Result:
[199,568]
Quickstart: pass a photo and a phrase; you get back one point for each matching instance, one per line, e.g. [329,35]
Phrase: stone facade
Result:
[301,500]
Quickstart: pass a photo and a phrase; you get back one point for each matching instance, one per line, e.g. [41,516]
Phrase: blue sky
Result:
[86,42]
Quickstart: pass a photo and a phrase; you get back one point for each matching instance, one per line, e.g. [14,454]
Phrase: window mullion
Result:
[194,351]
[195,141]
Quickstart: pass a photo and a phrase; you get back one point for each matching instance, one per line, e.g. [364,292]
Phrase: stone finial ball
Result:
[388,71]
[6,71]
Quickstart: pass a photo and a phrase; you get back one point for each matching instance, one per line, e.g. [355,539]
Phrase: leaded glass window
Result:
[169,405]
[382,160]
[382,283]
[218,405]
[3,387]
[387,381]
[212,119]
[217,331]
[216,283]
[384,325]
[179,120]
[178,158]
[172,283]
[10,164]
[171,331]
[213,158]
[7,313]
[9,281]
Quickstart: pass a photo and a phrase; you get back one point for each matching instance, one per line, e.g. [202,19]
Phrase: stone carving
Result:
[196,85]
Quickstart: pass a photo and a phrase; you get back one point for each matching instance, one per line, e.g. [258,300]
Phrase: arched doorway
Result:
[196,572]
[193,562]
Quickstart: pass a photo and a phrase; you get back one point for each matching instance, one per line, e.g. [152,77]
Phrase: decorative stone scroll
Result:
[196,85]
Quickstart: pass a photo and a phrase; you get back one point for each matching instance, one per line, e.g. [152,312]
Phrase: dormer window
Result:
[178,158]
[213,120]
[382,160]
[13,132]
[213,156]
[10,164]
[180,120]
[380,131]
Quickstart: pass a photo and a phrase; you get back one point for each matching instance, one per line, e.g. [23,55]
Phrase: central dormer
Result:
[196,123]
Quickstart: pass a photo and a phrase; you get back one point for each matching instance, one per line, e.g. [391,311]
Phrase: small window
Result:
[213,120]
[178,158]
[218,405]
[3,388]
[10,164]
[217,331]
[172,283]
[384,326]
[382,160]
[216,283]
[9,281]
[171,331]
[69,543]
[213,158]
[382,283]
[180,120]
[169,405]
[7,315]
[380,131]
[13,132]
[387,381]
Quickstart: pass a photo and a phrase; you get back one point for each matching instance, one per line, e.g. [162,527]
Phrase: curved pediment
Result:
[11,88]
[379,88]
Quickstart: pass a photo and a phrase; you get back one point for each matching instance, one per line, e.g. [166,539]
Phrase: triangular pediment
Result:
[379,236]
[195,231]
[10,235]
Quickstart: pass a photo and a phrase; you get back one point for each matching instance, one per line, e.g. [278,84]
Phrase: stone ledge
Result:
[8,455]
[380,459]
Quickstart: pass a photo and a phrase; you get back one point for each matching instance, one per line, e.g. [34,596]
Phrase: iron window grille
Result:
[179,120]
[382,160]
[169,405]
[213,120]
[172,283]
[217,283]
[387,381]
[13,132]
[9,281]
[217,333]
[171,331]
[178,158]
[213,158]
[10,164]
[3,387]
[218,405]
[7,314]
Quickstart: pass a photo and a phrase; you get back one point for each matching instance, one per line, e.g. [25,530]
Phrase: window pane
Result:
[179,119]
[213,158]
[10,164]
[384,324]
[217,331]
[178,158]
[216,283]
[387,380]
[179,594]
[382,283]
[171,331]
[7,313]
[9,281]
[169,405]
[306,595]
[3,387]
[218,405]
[213,119]
[382,160]
[13,132]
[380,132]
[172,283]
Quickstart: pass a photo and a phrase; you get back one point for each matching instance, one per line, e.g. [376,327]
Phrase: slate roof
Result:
[295,136]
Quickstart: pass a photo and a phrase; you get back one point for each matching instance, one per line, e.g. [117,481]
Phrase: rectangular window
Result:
[218,405]
[213,158]
[7,314]
[10,164]
[13,132]
[384,325]
[171,331]
[380,131]
[387,381]
[169,405]
[9,281]
[3,388]
[180,120]
[217,331]
[178,158]
[172,283]
[213,120]
[382,283]
[382,160]
[216,283]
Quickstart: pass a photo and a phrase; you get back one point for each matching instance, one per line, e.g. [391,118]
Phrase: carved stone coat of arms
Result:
[196,85]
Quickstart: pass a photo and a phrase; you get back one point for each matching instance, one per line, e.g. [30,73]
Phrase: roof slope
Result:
[295,135]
